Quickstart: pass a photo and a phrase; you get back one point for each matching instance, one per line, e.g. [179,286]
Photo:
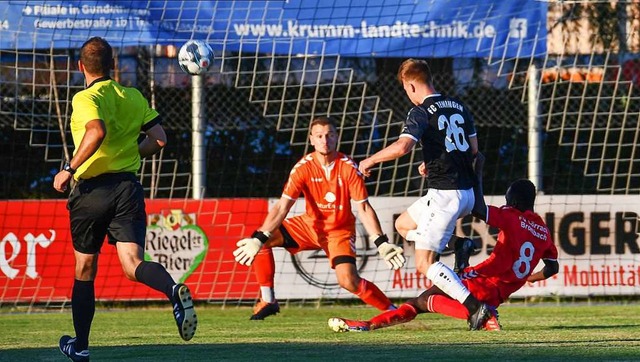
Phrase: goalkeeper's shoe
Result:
[493,324]
[478,319]
[264,309]
[183,311]
[463,248]
[347,325]
[68,348]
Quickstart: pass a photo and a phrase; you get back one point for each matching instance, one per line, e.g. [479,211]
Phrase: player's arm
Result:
[391,253]
[249,247]
[276,215]
[154,141]
[395,150]
[473,142]
[480,206]
[414,127]
[95,132]
[551,268]
[369,218]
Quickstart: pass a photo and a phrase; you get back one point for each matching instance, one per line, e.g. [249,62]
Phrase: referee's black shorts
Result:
[110,205]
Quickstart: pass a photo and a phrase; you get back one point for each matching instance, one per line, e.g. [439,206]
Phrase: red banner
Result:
[193,239]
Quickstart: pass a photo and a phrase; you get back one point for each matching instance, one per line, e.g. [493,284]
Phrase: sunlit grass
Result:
[531,332]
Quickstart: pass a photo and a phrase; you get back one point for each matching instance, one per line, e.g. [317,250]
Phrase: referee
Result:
[108,199]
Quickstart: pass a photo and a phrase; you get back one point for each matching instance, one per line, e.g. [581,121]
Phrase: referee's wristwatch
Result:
[67,167]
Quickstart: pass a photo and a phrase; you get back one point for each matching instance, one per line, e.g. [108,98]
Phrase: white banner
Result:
[596,236]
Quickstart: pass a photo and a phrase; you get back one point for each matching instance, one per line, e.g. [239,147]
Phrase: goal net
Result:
[553,87]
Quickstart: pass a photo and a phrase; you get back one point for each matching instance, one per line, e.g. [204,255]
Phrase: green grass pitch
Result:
[532,332]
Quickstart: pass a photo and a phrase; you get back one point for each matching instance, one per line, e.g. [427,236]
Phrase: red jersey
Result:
[524,240]
[328,191]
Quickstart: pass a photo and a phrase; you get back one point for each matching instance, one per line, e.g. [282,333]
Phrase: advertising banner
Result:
[193,239]
[357,28]
[597,239]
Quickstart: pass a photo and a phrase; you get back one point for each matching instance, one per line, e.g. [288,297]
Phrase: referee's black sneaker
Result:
[68,348]
[183,311]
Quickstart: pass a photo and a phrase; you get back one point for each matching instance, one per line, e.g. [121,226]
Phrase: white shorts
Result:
[436,215]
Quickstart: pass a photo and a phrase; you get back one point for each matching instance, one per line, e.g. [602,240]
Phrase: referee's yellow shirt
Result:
[125,112]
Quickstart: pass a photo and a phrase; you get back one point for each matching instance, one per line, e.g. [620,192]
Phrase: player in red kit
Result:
[523,241]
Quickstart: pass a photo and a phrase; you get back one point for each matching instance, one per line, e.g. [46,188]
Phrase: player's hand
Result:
[365,166]
[392,255]
[247,250]
[478,162]
[61,181]
[468,273]
[422,170]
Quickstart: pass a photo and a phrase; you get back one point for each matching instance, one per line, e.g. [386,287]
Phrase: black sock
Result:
[155,276]
[421,302]
[83,307]
[472,304]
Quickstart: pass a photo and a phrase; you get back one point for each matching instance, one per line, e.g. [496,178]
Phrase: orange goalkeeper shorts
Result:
[335,243]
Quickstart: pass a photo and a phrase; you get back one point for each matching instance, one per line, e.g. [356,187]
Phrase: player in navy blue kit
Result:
[445,128]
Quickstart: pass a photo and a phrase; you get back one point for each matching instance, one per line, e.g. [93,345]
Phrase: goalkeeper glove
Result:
[248,248]
[391,253]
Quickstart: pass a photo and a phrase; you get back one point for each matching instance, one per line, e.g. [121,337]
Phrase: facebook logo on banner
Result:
[518,28]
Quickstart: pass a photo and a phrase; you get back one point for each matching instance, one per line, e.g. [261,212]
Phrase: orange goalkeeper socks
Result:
[372,295]
[264,267]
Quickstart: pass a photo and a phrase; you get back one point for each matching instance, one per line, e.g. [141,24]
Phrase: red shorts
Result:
[484,290]
[335,243]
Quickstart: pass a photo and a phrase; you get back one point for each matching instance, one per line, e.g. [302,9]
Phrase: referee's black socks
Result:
[83,307]
[155,276]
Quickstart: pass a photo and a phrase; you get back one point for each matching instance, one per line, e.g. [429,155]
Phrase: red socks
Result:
[444,305]
[405,313]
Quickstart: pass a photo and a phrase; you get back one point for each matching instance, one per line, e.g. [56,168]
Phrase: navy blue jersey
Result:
[443,126]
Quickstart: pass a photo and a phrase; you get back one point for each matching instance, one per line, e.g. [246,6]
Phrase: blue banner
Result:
[361,28]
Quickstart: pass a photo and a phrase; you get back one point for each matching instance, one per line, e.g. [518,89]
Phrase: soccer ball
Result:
[195,57]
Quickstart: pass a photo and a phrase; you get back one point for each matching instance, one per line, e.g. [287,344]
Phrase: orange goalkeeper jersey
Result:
[327,191]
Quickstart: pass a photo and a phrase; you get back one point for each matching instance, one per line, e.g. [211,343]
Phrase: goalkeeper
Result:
[329,181]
